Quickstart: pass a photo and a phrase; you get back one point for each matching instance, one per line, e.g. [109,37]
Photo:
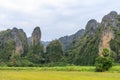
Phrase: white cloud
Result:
[53,16]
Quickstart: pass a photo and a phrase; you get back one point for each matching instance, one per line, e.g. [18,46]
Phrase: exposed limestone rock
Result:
[91,26]
[36,36]
[16,35]
[20,39]
[108,22]
[19,46]
[104,43]
[109,19]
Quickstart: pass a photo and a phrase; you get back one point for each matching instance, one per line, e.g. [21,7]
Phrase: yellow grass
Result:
[56,75]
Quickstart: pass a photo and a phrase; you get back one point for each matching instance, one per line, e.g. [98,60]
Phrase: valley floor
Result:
[57,73]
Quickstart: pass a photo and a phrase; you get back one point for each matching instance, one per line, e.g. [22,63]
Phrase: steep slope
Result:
[13,44]
[108,22]
[84,51]
[97,36]
[15,36]
[67,40]
[115,42]
[35,47]
[106,38]
[36,36]
[20,39]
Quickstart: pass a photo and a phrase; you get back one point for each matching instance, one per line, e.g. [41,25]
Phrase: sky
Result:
[56,18]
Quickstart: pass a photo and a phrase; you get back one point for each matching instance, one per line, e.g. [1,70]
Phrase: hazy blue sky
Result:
[56,18]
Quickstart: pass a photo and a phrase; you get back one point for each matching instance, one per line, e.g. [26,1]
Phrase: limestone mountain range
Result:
[86,43]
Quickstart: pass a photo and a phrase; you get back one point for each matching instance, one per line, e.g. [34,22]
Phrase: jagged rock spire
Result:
[109,19]
[36,35]
[91,26]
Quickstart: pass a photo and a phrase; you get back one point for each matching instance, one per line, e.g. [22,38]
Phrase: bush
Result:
[103,63]
[106,52]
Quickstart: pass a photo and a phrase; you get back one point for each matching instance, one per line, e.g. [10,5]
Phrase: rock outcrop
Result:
[91,26]
[36,36]
[18,36]
[110,19]
[105,39]
[107,23]
[20,39]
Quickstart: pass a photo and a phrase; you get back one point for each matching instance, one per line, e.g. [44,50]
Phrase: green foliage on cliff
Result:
[7,46]
[85,50]
[115,43]
[35,53]
[25,43]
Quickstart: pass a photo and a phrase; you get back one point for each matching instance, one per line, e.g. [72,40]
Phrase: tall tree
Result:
[54,51]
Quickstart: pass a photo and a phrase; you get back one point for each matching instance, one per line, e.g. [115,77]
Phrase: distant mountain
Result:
[45,43]
[67,40]
[35,37]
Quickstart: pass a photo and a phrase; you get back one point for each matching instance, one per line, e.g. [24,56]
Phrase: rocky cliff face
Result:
[105,40]
[67,40]
[108,22]
[18,36]
[110,19]
[20,39]
[36,36]
[91,26]
[97,36]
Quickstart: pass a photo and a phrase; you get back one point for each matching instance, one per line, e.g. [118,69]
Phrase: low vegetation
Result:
[105,61]
[64,68]
[48,75]
[58,73]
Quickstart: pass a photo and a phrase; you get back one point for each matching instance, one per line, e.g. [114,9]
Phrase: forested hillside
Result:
[97,37]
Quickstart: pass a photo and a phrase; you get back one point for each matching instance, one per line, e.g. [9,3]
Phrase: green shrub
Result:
[103,63]
[106,52]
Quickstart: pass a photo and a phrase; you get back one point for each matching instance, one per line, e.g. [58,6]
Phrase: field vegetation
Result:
[58,73]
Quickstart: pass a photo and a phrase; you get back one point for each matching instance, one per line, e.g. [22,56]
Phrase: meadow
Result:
[58,73]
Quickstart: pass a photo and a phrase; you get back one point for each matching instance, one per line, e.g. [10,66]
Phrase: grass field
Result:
[57,73]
